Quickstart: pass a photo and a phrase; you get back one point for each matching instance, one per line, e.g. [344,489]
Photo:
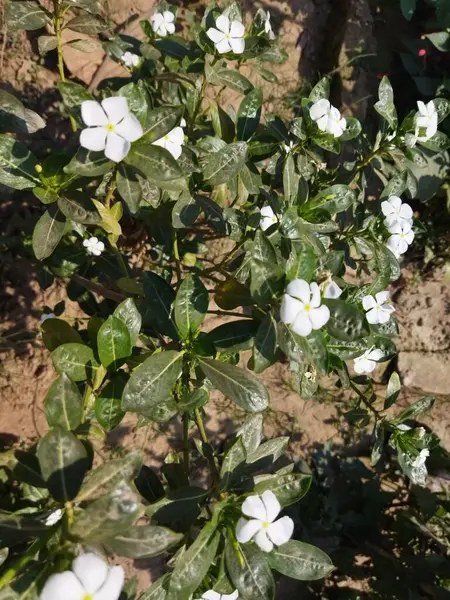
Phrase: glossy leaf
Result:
[249,114]
[129,187]
[48,232]
[253,579]
[76,360]
[288,489]
[113,342]
[266,343]
[393,390]
[88,164]
[385,105]
[233,336]
[161,120]
[334,199]
[300,561]
[222,166]
[56,332]
[25,15]
[63,404]
[191,304]
[251,432]
[142,541]
[159,297]
[156,164]
[17,165]
[108,404]
[346,322]
[129,314]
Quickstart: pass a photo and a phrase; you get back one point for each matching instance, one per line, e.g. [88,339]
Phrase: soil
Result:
[422,306]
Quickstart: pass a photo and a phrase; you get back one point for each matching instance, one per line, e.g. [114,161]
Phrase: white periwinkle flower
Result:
[54,517]
[378,308]
[262,526]
[301,307]
[46,316]
[213,595]
[227,36]
[401,238]
[331,289]
[268,26]
[396,212]
[418,468]
[111,127]
[172,142]
[130,60]
[90,578]
[94,246]
[368,361]
[268,218]
[163,23]
[426,121]
[328,118]
[289,147]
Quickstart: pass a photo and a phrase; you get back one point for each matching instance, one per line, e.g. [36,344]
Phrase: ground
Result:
[422,304]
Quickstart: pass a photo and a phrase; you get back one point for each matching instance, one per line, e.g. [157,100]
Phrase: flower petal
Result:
[368,302]
[266,211]
[422,108]
[383,316]
[319,109]
[395,202]
[168,16]
[176,136]
[262,540]
[382,297]
[265,223]
[290,308]
[91,570]
[302,324]
[233,596]
[402,246]
[392,242]
[406,211]
[215,35]
[322,123]
[300,289]
[409,237]
[156,20]
[116,108]
[387,208]
[93,138]
[333,128]
[224,46]
[116,147]
[332,290]
[272,505]
[237,29]
[253,506]
[62,585]
[373,316]
[211,595]
[281,531]
[315,295]
[319,316]
[162,142]
[113,585]
[237,45]
[223,24]
[170,27]
[375,354]
[174,149]
[93,114]
[245,530]
[362,365]
[129,128]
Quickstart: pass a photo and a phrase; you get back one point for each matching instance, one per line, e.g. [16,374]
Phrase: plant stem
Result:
[365,401]
[229,314]
[177,256]
[110,192]
[58,22]
[186,442]
[210,458]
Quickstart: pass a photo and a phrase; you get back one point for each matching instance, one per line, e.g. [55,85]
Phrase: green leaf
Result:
[222,166]
[233,461]
[249,114]
[56,332]
[442,106]
[234,80]
[16,529]
[393,390]
[63,404]
[159,297]
[408,8]
[191,304]
[179,509]
[232,293]
[320,90]
[290,179]
[253,579]
[303,264]
[266,277]
[440,40]
[108,404]
[113,341]
[251,432]
[129,187]
[87,24]
[346,321]
[194,564]
[129,314]
[157,591]
[161,121]
[48,232]
[17,165]
[347,350]
[438,143]
[15,117]
[396,186]
[300,561]
[334,199]
[193,400]
[352,130]
[89,164]
[268,452]
[64,461]
[239,385]
[233,336]
[25,15]
[274,55]
[73,94]
[185,212]
[106,478]
[149,485]
[156,164]
[266,343]
[137,99]
[152,383]
[222,123]
[416,408]
[288,489]
[385,106]
[76,360]
[46,43]
[76,206]
[143,541]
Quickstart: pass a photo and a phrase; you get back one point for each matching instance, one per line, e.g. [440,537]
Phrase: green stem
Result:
[110,192]
[186,442]
[212,463]
[176,254]
[365,401]
[58,22]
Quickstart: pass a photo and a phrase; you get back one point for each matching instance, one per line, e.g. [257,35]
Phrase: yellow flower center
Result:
[307,306]
[265,524]
[227,35]
[87,597]
[166,137]
[109,127]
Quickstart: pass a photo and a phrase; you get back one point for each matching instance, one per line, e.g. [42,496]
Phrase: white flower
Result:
[94,246]
[378,309]
[228,37]
[46,316]
[421,432]
[402,236]
[111,127]
[163,23]
[396,211]
[91,578]
[268,27]
[212,595]
[172,142]
[328,118]
[268,218]
[426,121]
[367,362]
[331,289]
[301,307]
[262,526]
[288,148]
[420,460]
[130,60]
[418,468]
[54,517]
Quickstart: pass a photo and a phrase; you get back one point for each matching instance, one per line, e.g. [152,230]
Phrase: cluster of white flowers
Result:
[130,60]
[398,220]
[302,307]
[228,36]
[163,23]
[173,141]
[426,121]
[90,577]
[328,118]
[262,526]
[94,246]
[111,127]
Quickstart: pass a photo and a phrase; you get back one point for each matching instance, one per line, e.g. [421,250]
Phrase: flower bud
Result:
[38,169]
[189,259]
